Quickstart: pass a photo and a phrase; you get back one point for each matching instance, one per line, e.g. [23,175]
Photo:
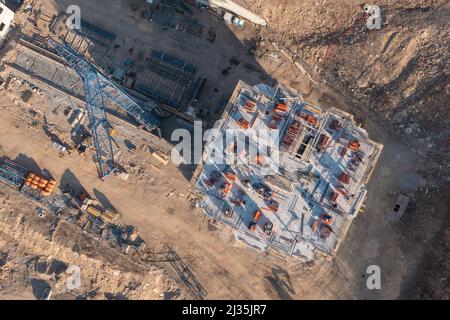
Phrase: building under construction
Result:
[302,204]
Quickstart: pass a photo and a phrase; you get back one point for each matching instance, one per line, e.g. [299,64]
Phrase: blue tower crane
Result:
[98,90]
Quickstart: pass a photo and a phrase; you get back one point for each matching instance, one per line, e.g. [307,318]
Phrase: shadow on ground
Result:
[32,165]
[281,282]
[104,201]
[69,183]
[39,288]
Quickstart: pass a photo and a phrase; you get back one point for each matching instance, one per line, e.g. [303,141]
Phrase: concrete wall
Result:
[6,18]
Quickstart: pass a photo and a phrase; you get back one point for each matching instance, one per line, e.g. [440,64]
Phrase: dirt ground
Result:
[34,258]
[224,268]
[400,72]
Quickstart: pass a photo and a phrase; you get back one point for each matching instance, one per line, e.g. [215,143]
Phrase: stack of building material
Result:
[291,133]
[354,145]
[94,208]
[250,106]
[244,124]
[323,141]
[37,182]
[253,224]
[275,121]
[280,107]
[334,196]
[335,125]
[311,120]
[344,178]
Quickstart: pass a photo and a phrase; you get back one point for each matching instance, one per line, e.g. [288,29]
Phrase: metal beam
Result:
[98,89]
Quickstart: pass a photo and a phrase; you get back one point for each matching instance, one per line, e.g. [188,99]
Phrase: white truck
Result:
[231,19]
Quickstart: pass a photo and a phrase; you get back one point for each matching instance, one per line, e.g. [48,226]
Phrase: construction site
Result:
[88,183]
[307,204]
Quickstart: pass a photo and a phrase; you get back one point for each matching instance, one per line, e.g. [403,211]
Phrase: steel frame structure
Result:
[98,89]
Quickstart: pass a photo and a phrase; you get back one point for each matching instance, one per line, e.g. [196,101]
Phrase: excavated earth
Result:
[400,74]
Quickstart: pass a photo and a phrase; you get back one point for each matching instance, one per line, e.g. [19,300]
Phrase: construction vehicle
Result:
[253,224]
[232,19]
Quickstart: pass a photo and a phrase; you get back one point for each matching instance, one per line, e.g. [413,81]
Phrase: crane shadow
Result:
[104,201]
[281,282]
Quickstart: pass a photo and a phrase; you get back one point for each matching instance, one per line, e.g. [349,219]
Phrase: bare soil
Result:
[407,59]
